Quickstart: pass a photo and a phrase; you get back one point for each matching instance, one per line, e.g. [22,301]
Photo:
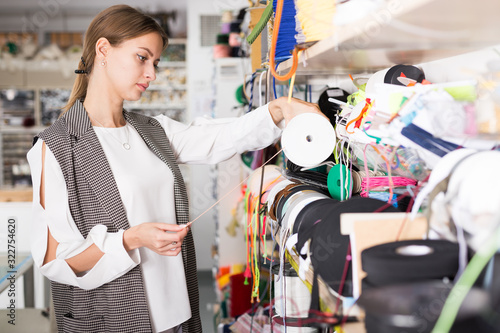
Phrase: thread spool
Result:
[369,183]
[340,182]
[296,295]
[358,177]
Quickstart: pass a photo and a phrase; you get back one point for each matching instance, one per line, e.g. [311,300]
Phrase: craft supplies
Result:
[308,139]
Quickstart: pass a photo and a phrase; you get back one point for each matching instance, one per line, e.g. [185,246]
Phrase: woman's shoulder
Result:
[58,128]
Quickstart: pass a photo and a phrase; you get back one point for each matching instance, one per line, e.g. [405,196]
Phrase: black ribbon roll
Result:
[319,222]
[329,247]
[306,219]
[415,308]
[410,261]
[332,109]
[409,71]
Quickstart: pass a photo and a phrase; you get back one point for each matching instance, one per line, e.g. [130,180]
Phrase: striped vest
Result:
[120,305]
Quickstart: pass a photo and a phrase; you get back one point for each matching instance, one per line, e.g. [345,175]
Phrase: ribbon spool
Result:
[308,217]
[282,205]
[272,176]
[331,109]
[410,261]
[390,76]
[273,208]
[298,203]
[274,191]
[329,248]
[411,72]
[308,139]
[291,289]
[415,308]
[340,182]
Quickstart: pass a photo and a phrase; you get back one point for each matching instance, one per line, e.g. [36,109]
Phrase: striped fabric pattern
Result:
[120,305]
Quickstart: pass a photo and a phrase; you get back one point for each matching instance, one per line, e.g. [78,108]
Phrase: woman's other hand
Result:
[280,109]
[162,238]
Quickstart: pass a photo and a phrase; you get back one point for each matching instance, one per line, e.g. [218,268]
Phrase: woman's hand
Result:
[162,238]
[280,109]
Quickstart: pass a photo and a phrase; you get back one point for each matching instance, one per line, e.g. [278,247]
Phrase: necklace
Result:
[125,144]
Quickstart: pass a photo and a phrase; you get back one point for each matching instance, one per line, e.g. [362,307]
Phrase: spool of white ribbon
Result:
[308,139]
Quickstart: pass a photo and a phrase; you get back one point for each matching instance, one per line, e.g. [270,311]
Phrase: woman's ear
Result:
[102,48]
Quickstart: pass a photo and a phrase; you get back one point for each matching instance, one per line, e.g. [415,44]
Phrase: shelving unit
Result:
[403,32]
[168,94]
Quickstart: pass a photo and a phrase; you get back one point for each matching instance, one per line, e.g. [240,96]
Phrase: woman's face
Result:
[131,66]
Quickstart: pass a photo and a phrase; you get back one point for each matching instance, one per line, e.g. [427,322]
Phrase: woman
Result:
[110,205]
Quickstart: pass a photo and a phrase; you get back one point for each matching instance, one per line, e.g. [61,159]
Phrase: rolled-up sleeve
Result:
[57,218]
[216,140]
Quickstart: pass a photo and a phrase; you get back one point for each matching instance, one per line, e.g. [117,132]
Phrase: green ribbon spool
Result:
[336,183]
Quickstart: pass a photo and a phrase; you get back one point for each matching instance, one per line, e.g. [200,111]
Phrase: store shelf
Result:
[160,106]
[167,87]
[404,32]
[17,195]
[172,64]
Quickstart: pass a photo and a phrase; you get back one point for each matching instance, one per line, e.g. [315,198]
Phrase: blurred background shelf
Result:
[33,92]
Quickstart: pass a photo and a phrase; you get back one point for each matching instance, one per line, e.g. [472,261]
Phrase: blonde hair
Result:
[117,24]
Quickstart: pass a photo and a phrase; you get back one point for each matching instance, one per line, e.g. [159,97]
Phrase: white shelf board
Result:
[404,32]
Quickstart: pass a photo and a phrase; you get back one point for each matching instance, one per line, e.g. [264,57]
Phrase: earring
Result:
[103,63]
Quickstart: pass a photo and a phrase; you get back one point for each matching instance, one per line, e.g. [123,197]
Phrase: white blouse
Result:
[146,188]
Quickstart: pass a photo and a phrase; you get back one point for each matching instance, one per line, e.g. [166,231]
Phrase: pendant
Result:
[126,146]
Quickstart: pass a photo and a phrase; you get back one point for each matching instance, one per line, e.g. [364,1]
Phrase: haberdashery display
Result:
[394,139]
